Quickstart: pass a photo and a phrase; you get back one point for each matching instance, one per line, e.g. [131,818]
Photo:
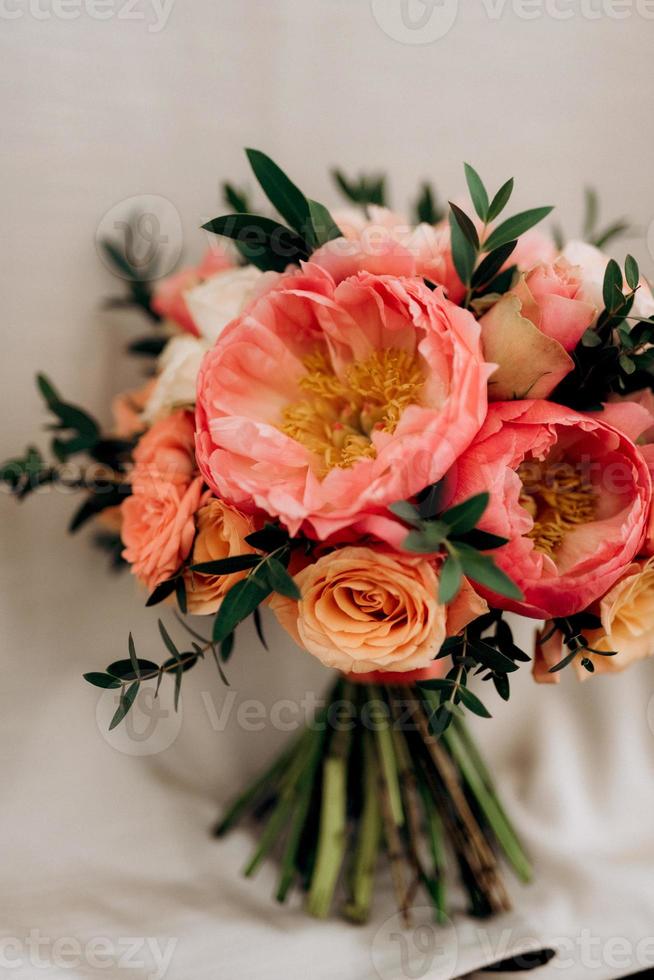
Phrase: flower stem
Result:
[333,810]
[362,876]
[489,805]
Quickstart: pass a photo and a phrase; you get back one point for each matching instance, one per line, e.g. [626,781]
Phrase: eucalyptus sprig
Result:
[478,258]
[572,630]
[265,242]
[616,354]
[362,190]
[75,433]
[486,647]
[454,532]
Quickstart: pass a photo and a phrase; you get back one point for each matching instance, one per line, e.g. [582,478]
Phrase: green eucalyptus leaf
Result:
[161,592]
[280,190]
[101,680]
[264,242]
[450,579]
[241,600]
[465,516]
[482,569]
[472,703]
[466,225]
[227,566]
[323,226]
[280,580]
[612,286]
[500,200]
[126,702]
[464,255]
[514,227]
[631,271]
[477,190]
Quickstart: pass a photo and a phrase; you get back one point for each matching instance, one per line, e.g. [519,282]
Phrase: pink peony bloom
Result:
[158,527]
[386,244]
[166,450]
[570,492]
[169,295]
[324,403]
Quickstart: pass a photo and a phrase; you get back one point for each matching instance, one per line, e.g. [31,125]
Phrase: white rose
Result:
[179,365]
[593,263]
[221,298]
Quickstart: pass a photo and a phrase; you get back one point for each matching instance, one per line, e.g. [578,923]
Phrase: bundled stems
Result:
[369,775]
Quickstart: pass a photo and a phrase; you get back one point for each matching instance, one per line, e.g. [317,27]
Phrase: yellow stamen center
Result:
[559,497]
[336,419]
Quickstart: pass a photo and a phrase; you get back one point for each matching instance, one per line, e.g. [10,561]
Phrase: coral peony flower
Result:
[158,527]
[530,330]
[166,451]
[326,402]
[174,387]
[570,492]
[363,610]
[627,615]
[221,533]
[169,299]
[385,243]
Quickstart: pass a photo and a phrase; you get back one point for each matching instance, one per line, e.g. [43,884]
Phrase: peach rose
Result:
[159,526]
[221,532]
[166,451]
[324,403]
[531,330]
[169,299]
[627,615]
[363,610]
[462,610]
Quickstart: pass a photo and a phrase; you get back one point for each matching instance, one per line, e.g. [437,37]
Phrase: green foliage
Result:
[486,647]
[362,190]
[478,260]
[138,282]
[267,243]
[454,532]
[426,208]
[616,355]
[572,630]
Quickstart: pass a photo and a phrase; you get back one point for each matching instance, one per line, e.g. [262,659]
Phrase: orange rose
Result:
[627,615]
[127,410]
[363,610]
[159,526]
[221,532]
[166,451]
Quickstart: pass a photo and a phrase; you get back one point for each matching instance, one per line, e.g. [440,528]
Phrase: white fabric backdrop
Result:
[98,843]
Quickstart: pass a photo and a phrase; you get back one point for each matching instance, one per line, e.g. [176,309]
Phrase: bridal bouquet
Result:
[386,434]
